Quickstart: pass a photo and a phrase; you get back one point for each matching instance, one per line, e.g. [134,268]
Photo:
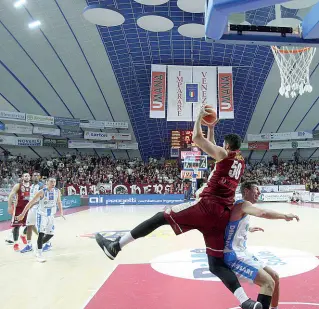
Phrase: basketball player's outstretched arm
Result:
[31,204]
[13,192]
[211,132]
[249,209]
[218,153]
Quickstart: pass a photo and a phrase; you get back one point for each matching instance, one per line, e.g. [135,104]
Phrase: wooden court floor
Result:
[160,271]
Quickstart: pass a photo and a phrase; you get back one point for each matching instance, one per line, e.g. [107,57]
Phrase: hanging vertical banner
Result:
[177,108]
[206,77]
[158,91]
[225,93]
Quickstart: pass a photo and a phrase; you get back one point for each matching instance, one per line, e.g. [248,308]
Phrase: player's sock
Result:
[265,300]
[126,239]
[29,242]
[148,226]
[241,295]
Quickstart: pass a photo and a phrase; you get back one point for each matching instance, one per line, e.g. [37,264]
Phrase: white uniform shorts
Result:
[244,264]
[45,224]
[32,216]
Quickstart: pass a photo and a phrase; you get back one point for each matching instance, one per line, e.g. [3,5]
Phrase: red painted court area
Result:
[141,287]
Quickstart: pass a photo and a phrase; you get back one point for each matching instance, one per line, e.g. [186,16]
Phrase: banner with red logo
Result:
[189,174]
[177,108]
[225,93]
[125,188]
[158,91]
[206,77]
[258,145]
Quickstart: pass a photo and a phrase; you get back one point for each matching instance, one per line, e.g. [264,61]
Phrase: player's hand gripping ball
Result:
[210,115]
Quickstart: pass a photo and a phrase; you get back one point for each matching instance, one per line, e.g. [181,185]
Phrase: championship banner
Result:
[279,136]
[46,131]
[92,124]
[177,108]
[68,122]
[18,129]
[116,125]
[225,93]
[158,91]
[101,136]
[119,136]
[15,116]
[191,93]
[258,146]
[8,140]
[59,143]
[126,146]
[39,119]
[29,141]
[206,77]
[72,133]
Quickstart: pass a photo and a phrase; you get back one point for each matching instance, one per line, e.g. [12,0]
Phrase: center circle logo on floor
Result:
[193,264]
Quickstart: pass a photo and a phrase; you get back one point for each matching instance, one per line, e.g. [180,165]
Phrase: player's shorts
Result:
[205,215]
[244,264]
[32,216]
[15,222]
[45,224]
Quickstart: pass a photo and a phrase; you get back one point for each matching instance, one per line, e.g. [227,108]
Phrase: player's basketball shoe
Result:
[39,256]
[24,239]
[251,304]
[16,247]
[109,247]
[47,247]
[27,248]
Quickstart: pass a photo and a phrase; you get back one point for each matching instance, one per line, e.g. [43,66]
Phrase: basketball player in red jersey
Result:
[210,214]
[22,192]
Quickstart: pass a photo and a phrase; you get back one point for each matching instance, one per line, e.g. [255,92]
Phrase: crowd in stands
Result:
[91,170]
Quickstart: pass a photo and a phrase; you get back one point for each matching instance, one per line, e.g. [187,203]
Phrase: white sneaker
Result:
[40,257]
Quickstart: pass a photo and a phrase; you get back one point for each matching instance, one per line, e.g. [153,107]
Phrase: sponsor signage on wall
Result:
[14,116]
[68,122]
[39,119]
[46,131]
[29,141]
[279,136]
[50,142]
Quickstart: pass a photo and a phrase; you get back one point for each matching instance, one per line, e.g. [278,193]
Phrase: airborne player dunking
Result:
[210,214]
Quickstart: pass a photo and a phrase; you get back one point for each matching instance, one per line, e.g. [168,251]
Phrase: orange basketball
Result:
[211,118]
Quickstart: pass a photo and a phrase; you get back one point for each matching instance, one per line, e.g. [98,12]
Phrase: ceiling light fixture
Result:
[19,3]
[34,24]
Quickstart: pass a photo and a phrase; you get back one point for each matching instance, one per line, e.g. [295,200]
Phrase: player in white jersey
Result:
[32,213]
[48,199]
[244,264]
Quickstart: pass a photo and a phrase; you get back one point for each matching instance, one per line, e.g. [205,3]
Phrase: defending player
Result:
[22,193]
[32,213]
[244,264]
[48,198]
[210,214]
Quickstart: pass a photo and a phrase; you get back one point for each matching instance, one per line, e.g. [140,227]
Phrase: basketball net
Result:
[294,64]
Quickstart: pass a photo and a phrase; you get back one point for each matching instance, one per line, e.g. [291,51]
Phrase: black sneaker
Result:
[109,247]
[251,304]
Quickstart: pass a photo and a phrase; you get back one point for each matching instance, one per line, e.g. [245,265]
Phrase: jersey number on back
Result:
[235,170]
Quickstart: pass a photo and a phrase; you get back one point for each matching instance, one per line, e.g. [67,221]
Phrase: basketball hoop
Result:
[294,64]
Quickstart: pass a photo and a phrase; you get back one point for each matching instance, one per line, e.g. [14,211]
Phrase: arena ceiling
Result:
[70,67]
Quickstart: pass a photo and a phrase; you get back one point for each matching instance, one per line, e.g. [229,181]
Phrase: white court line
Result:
[289,303]
[99,286]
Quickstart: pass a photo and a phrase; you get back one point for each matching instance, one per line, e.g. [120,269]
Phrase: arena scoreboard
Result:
[182,139]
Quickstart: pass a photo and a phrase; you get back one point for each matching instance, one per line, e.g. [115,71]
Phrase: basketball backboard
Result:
[301,16]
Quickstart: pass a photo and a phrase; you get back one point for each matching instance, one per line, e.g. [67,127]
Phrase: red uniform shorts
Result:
[15,222]
[207,216]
